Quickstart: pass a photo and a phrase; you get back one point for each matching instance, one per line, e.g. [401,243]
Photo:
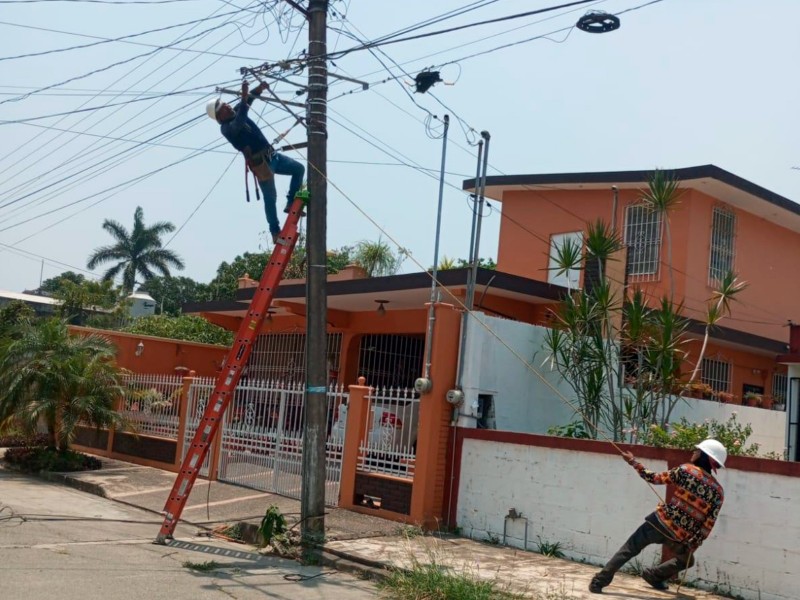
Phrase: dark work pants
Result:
[647,534]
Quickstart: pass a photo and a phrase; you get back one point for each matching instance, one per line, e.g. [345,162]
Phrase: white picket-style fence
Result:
[390,440]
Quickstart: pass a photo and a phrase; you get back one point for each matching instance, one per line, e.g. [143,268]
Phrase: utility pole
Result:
[312,504]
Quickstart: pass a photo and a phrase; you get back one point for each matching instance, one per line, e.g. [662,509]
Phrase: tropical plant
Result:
[171,293]
[446,264]
[272,524]
[82,299]
[620,356]
[138,253]
[225,283]
[12,315]
[483,263]
[719,306]
[661,197]
[182,327]
[50,376]
[377,258]
[53,284]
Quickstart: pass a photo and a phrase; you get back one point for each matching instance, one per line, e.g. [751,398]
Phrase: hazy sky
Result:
[682,83]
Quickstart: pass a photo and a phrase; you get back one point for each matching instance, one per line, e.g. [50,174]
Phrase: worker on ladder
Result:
[261,157]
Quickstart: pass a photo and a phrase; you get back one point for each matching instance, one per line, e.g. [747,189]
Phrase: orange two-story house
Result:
[722,223]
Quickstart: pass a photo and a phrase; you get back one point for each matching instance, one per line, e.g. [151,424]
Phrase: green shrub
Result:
[38,459]
[17,440]
[685,435]
[576,429]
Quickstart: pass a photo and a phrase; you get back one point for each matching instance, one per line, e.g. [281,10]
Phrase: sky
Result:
[681,83]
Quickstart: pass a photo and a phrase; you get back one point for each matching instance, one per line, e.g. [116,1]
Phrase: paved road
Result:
[55,541]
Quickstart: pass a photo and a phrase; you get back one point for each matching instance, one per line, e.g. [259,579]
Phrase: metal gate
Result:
[261,441]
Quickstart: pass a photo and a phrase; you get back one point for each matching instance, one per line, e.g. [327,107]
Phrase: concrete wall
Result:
[584,496]
[769,426]
[161,355]
[523,402]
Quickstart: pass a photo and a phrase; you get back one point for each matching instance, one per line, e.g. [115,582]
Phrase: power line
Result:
[95,1]
[104,106]
[38,257]
[389,40]
[113,188]
[104,40]
[112,65]
[95,149]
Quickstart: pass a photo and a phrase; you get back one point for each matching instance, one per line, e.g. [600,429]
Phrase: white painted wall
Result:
[769,426]
[522,401]
[525,404]
[591,503]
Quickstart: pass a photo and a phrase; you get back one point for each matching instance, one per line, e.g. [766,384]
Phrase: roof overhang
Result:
[708,179]
[402,292]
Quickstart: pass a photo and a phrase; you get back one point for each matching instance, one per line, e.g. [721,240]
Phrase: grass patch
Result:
[201,567]
[39,459]
[437,582]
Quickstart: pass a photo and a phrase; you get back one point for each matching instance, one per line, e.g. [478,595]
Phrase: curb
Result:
[341,561]
[62,478]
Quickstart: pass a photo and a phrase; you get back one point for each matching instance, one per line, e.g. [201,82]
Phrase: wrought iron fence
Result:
[390,439]
[152,404]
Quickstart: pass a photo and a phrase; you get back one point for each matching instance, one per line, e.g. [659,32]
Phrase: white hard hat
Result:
[714,450]
[211,108]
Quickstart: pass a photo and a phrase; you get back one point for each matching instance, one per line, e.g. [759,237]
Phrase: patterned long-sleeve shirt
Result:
[692,510]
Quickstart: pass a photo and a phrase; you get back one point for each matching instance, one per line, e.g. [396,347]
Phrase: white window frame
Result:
[643,234]
[571,279]
[722,253]
[717,374]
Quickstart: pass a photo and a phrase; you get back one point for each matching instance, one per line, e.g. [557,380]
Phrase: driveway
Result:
[59,541]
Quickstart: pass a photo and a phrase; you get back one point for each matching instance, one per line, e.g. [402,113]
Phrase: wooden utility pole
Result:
[312,505]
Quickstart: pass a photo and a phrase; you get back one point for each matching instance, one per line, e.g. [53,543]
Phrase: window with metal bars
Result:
[780,385]
[282,357]
[723,232]
[643,239]
[387,360]
[717,374]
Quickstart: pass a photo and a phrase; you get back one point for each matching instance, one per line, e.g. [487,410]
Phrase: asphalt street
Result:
[58,541]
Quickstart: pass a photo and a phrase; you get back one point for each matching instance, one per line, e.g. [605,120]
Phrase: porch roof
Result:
[402,292]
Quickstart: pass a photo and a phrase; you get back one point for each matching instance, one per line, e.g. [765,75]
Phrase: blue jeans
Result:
[280,165]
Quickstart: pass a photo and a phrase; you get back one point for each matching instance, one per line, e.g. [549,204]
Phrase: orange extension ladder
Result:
[232,370]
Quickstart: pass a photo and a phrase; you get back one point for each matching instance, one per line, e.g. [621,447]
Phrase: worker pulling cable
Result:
[681,524]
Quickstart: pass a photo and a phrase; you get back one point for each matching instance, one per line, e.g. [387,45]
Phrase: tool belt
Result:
[259,164]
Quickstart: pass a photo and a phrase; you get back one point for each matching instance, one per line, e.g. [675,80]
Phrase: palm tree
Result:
[662,196]
[137,253]
[50,376]
[719,306]
[377,258]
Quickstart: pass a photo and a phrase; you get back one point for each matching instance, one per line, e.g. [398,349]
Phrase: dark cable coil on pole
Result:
[597,21]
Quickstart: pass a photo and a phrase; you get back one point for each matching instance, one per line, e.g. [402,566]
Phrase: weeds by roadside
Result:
[438,582]
[201,567]
[552,549]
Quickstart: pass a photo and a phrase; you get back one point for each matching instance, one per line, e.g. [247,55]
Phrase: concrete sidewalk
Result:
[362,542]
